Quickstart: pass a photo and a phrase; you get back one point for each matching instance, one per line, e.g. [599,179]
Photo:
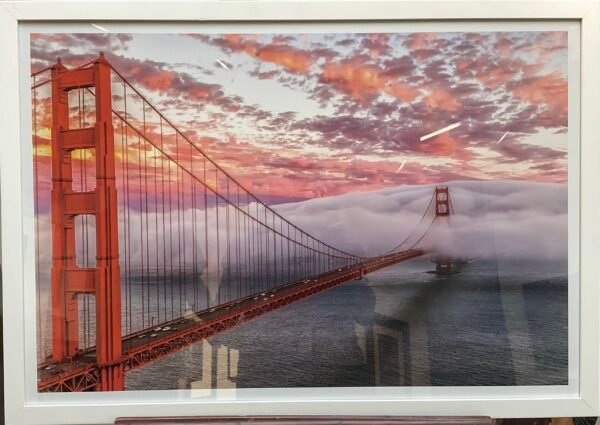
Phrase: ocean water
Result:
[494,323]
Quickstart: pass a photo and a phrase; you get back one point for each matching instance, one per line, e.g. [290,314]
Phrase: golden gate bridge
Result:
[154,245]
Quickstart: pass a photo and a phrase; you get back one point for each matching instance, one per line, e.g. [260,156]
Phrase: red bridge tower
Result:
[68,280]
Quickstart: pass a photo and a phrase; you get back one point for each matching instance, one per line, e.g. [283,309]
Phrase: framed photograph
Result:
[299,208]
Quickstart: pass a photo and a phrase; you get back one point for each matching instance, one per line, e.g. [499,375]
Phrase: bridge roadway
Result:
[140,348]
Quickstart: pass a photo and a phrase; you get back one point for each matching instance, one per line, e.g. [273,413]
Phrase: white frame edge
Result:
[15,247]
[590,209]
[10,175]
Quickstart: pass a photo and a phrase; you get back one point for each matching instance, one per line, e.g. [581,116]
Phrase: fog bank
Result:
[503,219]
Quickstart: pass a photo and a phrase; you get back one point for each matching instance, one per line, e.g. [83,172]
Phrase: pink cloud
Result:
[549,89]
[442,99]
[420,40]
[363,82]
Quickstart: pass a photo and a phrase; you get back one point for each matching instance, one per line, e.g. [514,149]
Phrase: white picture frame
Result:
[25,406]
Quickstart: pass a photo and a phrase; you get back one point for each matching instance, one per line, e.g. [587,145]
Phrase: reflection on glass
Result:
[300,210]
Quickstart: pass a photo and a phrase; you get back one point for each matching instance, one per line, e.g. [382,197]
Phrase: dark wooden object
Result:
[309,420]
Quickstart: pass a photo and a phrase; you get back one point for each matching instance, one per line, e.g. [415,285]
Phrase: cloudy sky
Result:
[300,116]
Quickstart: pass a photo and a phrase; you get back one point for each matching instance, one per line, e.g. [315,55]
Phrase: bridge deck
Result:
[145,346]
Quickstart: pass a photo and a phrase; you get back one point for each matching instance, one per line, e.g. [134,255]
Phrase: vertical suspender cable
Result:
[146,214]
[207,273]
[218,236]
[164,232]
[194,236]
[141,253]
[227,233]
[179,225]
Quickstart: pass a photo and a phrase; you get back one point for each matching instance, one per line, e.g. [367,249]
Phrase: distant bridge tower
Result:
[442,202]
[443,264]
[67,279]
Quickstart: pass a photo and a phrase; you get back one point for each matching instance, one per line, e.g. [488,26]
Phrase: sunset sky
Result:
[299,116]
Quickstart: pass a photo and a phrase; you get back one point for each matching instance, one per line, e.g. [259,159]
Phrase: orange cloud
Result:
[295,60]
[503,46]
[420,40]
[495,76]
[548,44]
[462,65]
[363,81]
[160,81]
[234,38]
[359,82]
[377,44]
[549,89]
[292,59]
[442,99]
[402,91]
[445,145]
